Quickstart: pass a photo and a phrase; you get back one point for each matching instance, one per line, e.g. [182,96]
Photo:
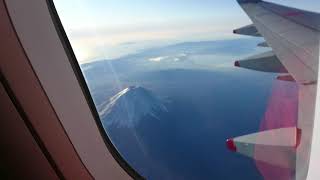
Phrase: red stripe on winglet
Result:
[298,137]
[230,145]
[237,64]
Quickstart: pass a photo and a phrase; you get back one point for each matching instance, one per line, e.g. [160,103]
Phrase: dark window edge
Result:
[78,73]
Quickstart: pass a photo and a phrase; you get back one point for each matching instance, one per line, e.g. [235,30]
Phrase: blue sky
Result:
[105,29]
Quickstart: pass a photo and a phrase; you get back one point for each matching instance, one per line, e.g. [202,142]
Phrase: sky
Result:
[107,29]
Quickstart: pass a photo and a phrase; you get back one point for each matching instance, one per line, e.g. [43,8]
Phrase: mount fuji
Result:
[129,106]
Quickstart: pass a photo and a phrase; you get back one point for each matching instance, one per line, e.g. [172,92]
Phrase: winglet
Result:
[264,145]
[265,62]
[286,78]
[249,30]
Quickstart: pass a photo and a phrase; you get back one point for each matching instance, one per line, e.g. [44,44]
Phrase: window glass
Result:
[172,84]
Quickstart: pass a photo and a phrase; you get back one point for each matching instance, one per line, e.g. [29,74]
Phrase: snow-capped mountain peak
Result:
[129,106]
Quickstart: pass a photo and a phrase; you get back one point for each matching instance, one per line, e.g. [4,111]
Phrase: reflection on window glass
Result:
[178,91]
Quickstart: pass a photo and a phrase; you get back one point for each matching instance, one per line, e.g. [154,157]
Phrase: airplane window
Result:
[200,90]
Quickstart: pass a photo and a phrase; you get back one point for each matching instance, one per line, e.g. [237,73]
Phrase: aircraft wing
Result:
[293,35]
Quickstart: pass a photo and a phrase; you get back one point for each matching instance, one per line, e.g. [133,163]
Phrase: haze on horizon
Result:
[107,29]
